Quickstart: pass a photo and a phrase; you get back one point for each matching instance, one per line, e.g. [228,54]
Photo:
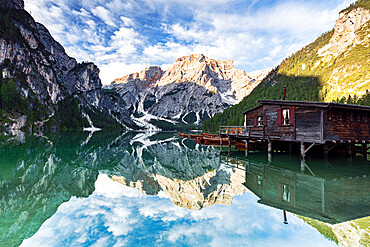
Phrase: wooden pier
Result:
[304,126]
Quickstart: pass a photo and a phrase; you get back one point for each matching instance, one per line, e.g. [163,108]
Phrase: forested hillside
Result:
[329,69]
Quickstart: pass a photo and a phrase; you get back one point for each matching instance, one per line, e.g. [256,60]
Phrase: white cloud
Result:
[127,22]
[104,14]
[114,70]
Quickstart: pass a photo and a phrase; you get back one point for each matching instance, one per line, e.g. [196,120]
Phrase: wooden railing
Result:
[243,131]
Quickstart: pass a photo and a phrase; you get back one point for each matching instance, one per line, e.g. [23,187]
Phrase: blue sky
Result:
[123,37]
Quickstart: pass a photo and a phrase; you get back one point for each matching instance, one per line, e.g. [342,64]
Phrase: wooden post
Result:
[303,151]
[246,148]
[349,150]
[269,147]
[364,151]
[229,142]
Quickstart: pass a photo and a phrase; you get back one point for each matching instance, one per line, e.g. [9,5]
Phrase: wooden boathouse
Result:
[306,124]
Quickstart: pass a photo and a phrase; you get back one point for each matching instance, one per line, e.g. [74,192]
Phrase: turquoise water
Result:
[140,189]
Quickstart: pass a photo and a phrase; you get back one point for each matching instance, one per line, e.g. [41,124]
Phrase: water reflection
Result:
[331,193]
[40,173]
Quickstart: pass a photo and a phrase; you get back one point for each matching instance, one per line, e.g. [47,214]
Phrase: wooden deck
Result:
[253,134]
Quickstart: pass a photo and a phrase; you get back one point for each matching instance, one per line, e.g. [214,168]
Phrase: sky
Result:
[125,36]
[116,215]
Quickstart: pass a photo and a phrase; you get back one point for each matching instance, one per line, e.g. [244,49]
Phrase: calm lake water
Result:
[140,189]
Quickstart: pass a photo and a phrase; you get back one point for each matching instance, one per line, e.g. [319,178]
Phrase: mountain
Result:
[350,233]
[39,81]
[193,89]
[335,67]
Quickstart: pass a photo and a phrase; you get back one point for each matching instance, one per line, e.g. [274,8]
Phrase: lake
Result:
[157,189]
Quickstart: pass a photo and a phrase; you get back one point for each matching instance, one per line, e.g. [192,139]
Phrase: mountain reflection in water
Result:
[62,190]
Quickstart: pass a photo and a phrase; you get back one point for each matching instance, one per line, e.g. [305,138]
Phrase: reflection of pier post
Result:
[246,148]
[285,218]
[303,165]
[326,151]
[269,151]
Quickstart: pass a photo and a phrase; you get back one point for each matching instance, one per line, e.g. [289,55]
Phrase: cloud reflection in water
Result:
[116,215]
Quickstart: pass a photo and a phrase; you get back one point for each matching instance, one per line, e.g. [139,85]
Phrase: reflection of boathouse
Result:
[315,193]
[328,125]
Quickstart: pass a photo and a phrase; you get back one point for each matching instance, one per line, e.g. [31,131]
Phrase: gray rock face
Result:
[185,102]
[132,88]
[12,4]
[40,66]
[84,80]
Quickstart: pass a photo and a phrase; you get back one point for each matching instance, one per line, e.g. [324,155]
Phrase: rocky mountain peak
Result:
[148,76]
[195,68]
[217,76]
[12,4]
[346,31]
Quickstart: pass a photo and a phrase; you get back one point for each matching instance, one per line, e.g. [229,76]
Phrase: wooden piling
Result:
[364,151]
[349,150]
[303,151]
[269,147]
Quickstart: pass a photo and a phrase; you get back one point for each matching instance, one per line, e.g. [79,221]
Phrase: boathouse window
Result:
[260,121]
[351,116]
[340,116]
[366,117]
[285,116]
[328,114]
[359,117]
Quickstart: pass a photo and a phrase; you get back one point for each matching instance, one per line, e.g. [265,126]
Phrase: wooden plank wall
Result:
[339,125]
[308,124]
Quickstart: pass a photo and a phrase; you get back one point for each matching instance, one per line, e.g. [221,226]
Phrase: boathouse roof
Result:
[311,104]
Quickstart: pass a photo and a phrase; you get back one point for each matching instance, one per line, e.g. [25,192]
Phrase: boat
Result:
[210,135]
[195,136]
[183,135]
[217,141]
